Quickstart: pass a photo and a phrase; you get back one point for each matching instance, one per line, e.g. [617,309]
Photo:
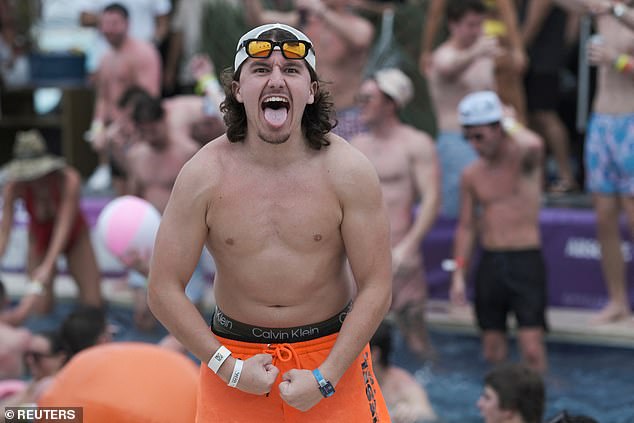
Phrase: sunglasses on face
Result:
[473,137]
[291,49]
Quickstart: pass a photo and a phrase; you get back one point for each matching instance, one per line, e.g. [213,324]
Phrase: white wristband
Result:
[35,287]
[235,376]
[218,358]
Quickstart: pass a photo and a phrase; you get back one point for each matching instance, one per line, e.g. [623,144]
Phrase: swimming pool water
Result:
[594,380]
[584,379]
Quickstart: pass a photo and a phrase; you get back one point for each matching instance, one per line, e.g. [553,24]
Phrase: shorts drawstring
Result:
[283,352]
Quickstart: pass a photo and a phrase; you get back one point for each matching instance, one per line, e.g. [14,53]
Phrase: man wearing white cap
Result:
[405,159]
[283,206]
[500,195]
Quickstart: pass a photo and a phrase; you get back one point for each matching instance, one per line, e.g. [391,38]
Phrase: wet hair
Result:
[317,118]
[117,8]
[519,388]
[382,339]
[131,95]
[147,110]
[82,328]
[457,9]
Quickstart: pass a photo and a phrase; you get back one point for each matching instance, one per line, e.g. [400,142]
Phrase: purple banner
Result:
[570,249]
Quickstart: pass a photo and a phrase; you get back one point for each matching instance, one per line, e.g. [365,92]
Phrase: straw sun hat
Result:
[30,158]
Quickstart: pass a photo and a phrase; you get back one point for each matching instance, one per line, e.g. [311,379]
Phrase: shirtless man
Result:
[277,201]
[343,41]
[609,146]
[500,199]
[462,64]
[129,62]
[160,154]
[406,162]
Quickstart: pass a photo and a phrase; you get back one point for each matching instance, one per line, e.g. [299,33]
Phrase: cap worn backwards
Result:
[395,84]
[241,54]
[480,108]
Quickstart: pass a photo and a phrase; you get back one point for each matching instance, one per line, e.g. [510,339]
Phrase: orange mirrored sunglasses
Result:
[291,49]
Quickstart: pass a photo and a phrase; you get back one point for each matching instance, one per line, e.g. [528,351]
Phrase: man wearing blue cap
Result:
[283,206]
[500,194]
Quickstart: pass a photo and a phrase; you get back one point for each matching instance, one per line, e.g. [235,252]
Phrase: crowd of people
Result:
[295,169]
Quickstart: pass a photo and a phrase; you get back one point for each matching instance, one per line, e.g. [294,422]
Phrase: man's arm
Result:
[148,70]
[426,175]
[464,239]
[354,30]
[256,15]
[450,63]
[366,235]
[531,143]
[537,11]
[8,200]
[433,18]
[66,214]
[177,249]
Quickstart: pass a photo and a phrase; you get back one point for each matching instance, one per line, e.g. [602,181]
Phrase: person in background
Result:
[50,190]
[513,393]
[462,64]
[500,199]
[543,32]
[405,159]
[609,145]
[129,62]
[44,357]
[406,399]
[501,24]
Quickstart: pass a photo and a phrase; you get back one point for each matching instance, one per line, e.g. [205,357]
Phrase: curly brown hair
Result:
[317,120]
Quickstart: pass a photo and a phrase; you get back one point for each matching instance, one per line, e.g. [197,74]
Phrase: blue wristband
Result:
[325,387]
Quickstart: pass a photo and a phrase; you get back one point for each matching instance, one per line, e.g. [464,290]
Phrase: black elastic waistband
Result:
[225,326]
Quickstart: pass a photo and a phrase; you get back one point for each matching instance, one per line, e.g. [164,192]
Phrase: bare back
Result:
[507,194]
[616,90]
[446,92]
[275,234]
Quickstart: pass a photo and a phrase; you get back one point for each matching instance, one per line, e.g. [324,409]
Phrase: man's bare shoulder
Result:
[346,164]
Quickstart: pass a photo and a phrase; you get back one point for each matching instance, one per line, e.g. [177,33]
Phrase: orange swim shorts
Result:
[357,399]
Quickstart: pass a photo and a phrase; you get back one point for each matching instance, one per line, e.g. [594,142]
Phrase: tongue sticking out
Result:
[275,117]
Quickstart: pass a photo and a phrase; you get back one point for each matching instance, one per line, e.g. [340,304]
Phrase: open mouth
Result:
[275,110]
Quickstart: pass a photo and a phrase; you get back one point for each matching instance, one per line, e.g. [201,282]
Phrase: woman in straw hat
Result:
[50,190]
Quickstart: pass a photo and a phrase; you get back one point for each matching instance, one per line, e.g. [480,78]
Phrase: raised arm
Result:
[354,30]
[256,15]
[433,18]
[366,235]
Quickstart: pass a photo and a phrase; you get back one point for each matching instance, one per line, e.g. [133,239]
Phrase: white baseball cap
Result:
[241,53]
[396,85]
[480,108]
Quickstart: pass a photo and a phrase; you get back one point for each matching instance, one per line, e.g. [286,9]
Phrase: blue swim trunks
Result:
[454,155]
[609,154]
